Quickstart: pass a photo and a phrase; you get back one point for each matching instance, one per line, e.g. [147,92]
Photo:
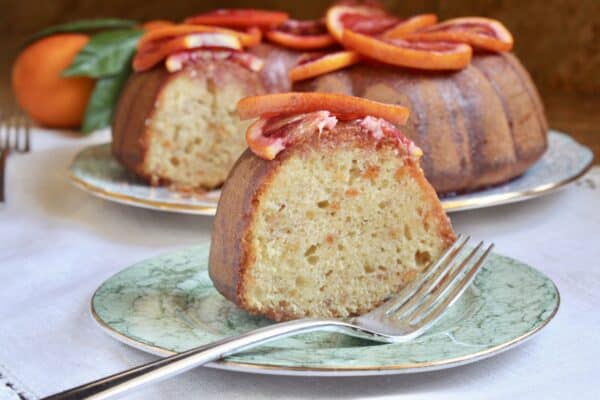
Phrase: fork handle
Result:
[163,368]
[3,155]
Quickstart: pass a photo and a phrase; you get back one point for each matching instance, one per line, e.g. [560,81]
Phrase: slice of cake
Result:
[181,127]
[328,213]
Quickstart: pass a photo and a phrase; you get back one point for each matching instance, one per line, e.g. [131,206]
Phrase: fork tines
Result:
[14,136]
[15,133]
[423,302]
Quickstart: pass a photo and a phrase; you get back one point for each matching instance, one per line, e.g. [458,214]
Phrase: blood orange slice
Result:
[368,20]
[410,25]
[301,35]
[342,106]
[312,65]
[152,53]
[483,33]
[268,137]
[414,54]
[177,61]
[240,18]
[249,38]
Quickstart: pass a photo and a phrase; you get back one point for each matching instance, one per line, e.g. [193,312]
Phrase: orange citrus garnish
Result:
[414,54]
[154,52]
[314,65]
[483,33]
[365,19]
[342,106]
[301,35]
[249,38]
[410,25]
[268,137]
[177,61]
[239,18]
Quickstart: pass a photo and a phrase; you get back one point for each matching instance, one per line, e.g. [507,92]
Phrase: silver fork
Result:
[402,318]
[14,136]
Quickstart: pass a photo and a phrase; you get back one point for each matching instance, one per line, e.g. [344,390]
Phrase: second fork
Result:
[14,137]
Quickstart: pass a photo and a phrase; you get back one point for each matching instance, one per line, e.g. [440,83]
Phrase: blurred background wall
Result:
[557,40]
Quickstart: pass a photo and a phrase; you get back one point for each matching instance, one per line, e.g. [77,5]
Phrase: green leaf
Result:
[103,101]
[105,54]
[83,25]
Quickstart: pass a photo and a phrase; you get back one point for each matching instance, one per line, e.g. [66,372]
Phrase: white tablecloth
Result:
[57,244]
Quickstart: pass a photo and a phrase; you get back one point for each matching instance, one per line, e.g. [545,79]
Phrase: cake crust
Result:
[231,251]
[229,247]
[136,105]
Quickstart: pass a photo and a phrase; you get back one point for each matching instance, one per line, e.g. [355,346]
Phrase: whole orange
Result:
[41,91]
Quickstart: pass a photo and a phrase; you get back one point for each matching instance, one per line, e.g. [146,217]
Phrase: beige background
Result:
[557,40]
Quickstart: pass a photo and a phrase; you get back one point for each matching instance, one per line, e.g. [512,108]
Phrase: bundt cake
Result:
[326,215]
[478,125]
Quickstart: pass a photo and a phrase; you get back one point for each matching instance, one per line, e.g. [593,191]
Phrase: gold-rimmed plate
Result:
[96,171]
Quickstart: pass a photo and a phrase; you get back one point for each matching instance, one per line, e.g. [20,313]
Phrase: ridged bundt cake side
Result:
[330,228]
[520,101]
[181,127]
[477,127]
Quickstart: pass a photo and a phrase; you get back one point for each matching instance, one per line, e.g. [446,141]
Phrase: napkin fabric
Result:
[58,244]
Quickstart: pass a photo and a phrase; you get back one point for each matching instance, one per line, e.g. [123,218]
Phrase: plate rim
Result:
[269,369]
[449,204]
[513,197]
[136,201]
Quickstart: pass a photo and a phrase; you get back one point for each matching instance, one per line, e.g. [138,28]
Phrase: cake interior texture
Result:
[194,135]
[369,225]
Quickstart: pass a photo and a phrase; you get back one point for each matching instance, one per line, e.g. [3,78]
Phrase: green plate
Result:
[168,304]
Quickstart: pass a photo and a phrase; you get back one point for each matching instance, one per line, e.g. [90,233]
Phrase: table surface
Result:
[57,244]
